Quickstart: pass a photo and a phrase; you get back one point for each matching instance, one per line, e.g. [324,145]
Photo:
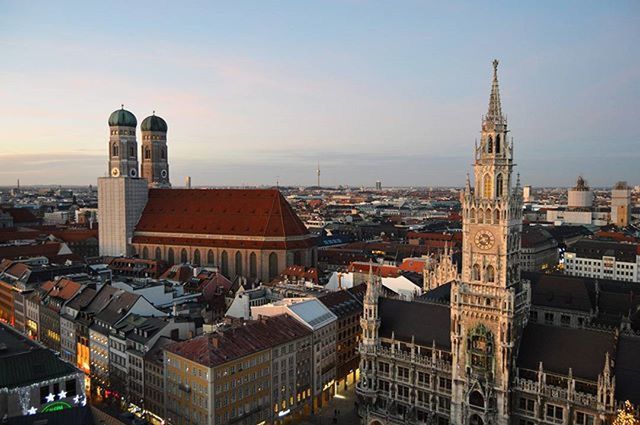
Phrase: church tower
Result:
[123,195]
[123,147]
[490,302]
[155,163]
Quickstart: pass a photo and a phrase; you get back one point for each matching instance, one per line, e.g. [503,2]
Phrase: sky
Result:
[256,92]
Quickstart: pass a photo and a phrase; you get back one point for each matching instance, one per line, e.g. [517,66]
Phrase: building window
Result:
[499,184]
[147,153]
[210,258]
[183,256]
[403,373]
[224,263]
[114,150]
[565,320]
[475,272]
[238,263]
[584,419]
[196,257]
[273,265]
[158,254]
[490,274]
[253,265]
[487,186]
[171,257]
[548,318]
[533,315]
[497,143]
[489,145]
[554,413]
[526,404]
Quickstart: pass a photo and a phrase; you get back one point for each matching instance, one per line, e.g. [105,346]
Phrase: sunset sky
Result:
[258,91]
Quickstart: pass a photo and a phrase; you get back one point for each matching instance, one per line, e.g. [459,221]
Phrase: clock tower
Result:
[490,302]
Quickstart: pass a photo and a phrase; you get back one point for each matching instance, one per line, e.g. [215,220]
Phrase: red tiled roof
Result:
[21,215]
[413,265]
[381,269]
[218,348]
[241,212]
[310,274]
[61,288]
[48,249]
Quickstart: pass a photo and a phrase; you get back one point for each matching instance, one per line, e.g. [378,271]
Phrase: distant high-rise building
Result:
[378,185]
[621,204]
[527,194]
[318,174]
[187,182]
[580,196]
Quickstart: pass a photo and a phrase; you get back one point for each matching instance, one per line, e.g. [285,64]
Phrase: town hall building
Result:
[480,357]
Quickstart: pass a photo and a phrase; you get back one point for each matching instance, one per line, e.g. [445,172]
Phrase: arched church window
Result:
[472,214]
[238,263]
[210,258]
[224,263]
[114,150]
[475,272]
[476,420]
[132,151]
[486,184]
[489,145]
[497,216]
[145,253]
[147,153]
[163,154]
[183,256]
[253,266]
[158,254]
[171,259]
[487,216]
[499,185]
[498,143]
[490,274]
[196,257]
[273,265]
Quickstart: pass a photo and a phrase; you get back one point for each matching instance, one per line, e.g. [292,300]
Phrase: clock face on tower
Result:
[484,239]
[115,172]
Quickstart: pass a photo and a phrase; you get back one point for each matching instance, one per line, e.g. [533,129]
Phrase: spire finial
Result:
[154,112]
[494,115]
[122,106]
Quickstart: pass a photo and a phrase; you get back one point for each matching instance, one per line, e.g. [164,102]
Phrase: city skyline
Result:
[379,92]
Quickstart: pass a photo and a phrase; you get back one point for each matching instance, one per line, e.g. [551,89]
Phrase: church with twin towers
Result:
[252,234]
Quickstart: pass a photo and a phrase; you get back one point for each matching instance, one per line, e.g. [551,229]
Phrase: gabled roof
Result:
[562,292]
[118,307]
[238,212]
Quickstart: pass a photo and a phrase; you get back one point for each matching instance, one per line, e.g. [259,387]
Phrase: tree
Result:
[626,415]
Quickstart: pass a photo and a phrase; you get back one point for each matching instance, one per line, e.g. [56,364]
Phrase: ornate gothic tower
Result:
[155,163]
[489,304]
[370,323]
[123,148]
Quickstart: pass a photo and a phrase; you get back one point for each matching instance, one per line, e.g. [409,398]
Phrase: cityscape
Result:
[171,283]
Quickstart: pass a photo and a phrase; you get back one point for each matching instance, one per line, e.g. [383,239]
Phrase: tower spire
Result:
[494,114]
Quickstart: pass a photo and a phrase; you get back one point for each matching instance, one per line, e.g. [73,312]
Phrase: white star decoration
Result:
[62,394]
[32,411]
[50,398]
[84,401]
[76,399]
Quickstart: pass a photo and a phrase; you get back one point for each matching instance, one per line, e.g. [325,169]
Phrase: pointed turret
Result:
[494,114]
